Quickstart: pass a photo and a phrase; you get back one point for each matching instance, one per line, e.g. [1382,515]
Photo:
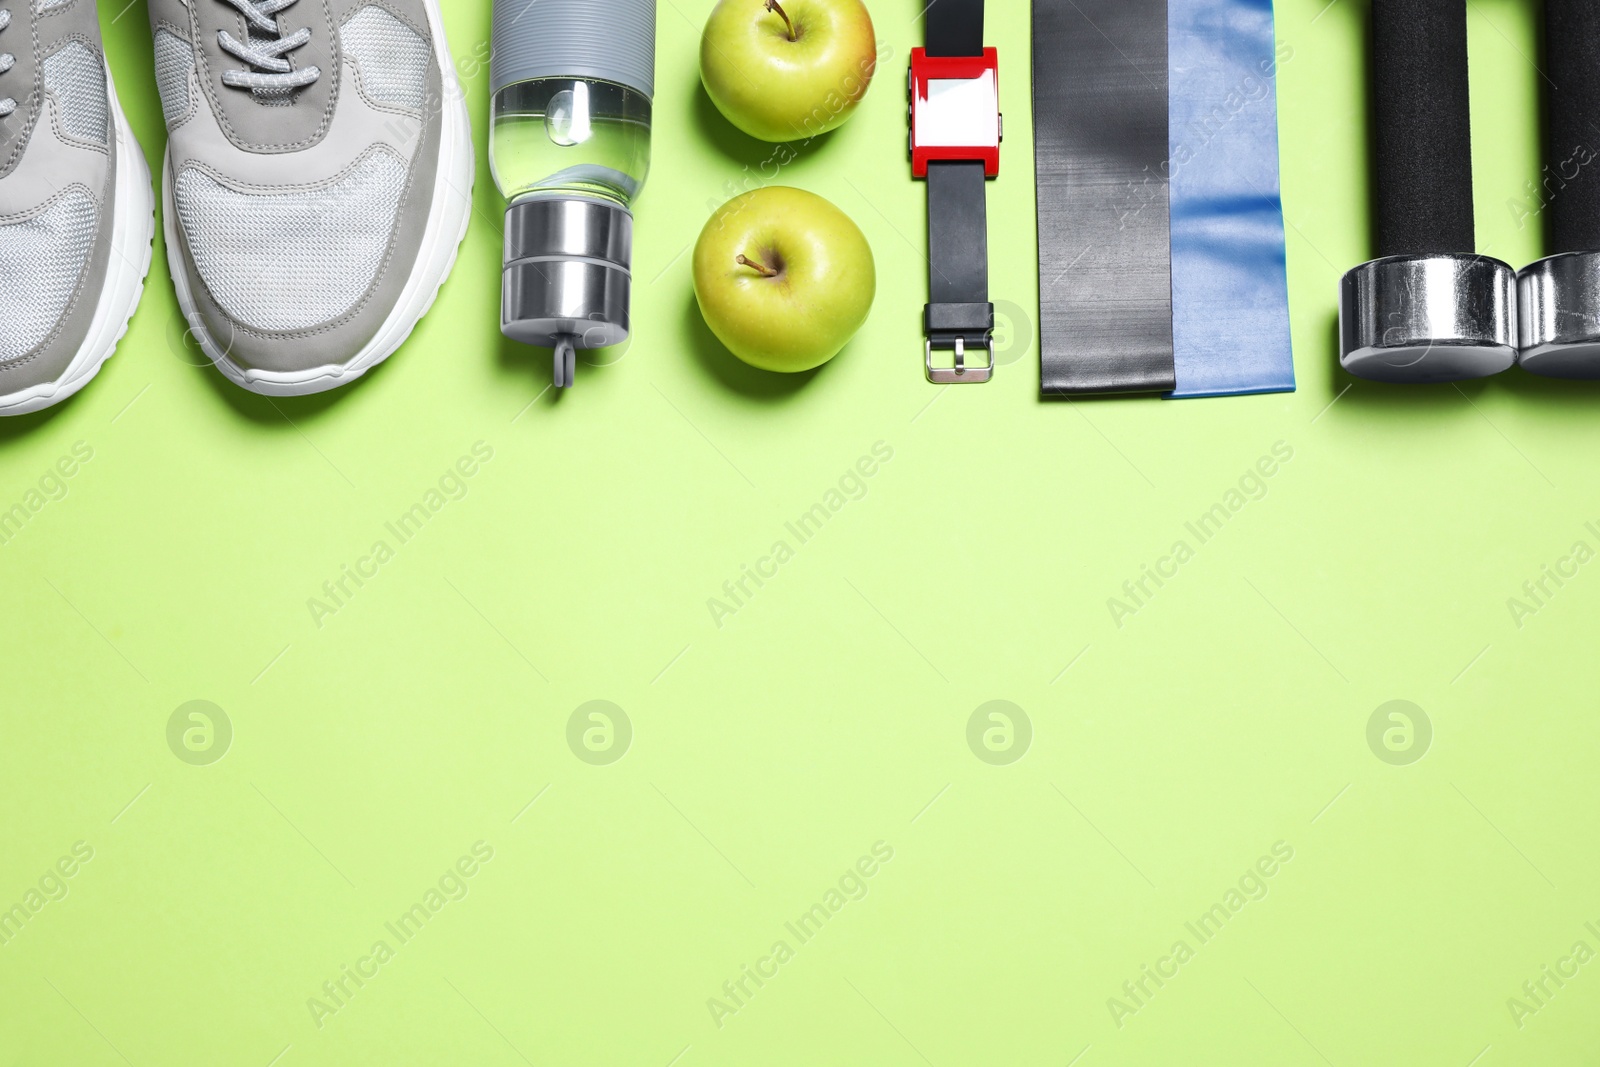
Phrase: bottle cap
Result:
[604,40]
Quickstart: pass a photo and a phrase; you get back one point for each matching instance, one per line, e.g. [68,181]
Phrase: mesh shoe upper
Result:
[302,167]
[174,68]
[391,60]
[289,259]
[75,78]
[41,259]
[57,169]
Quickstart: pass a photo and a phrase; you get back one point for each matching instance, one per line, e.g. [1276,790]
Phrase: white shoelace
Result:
[268,70]
[7,61]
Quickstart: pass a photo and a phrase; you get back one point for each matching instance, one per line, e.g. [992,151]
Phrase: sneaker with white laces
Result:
[76,208]
[318,180]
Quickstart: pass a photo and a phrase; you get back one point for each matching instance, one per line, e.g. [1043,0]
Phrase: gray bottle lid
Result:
[603,40]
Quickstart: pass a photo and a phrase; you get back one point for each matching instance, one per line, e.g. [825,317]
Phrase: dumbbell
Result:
[1559,318]
[1428,309]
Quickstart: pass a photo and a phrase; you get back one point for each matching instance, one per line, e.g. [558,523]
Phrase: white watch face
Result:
[960,113]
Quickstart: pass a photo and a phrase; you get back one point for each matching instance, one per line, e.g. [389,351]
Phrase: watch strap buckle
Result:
[955,328]
[960,374]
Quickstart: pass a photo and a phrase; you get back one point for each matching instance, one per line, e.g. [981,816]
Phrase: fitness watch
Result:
[956,129]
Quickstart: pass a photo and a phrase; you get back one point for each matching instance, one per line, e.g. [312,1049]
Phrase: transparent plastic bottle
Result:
[554,136]
[572,83]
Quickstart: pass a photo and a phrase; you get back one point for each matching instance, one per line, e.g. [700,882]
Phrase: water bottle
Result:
[572,84]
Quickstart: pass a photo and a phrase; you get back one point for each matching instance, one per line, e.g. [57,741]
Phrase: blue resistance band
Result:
[1230,286]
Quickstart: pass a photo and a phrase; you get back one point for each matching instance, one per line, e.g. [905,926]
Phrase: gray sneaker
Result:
[318,180]
[76,210]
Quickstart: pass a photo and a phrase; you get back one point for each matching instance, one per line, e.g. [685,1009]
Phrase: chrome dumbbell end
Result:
[1428,318]
[1559,317]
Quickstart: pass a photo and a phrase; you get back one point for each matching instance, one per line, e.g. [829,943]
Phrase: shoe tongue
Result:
[269,120]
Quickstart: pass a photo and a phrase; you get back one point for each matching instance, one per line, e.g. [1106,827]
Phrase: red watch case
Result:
[955,110]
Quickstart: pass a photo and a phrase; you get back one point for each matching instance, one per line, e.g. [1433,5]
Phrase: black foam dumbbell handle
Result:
[1571,180]
[1422,141]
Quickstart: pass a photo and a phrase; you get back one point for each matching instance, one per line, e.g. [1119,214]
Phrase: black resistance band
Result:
[1105,236]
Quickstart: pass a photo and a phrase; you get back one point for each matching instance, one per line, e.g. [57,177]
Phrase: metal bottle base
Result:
[1559,317]
[1418,319]
[567,280]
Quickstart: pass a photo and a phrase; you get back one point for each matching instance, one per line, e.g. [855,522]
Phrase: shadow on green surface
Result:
[285,411]
[530,365]
[1559,394]
[18,427]
[537,364]
[714,360]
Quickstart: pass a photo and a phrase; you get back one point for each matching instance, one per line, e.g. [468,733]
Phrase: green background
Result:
[1167,756]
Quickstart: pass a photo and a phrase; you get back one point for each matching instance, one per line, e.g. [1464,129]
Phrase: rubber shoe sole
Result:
[133,231]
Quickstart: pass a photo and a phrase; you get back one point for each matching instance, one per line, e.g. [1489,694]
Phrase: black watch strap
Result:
[959,316]
[958,258]
[955,28]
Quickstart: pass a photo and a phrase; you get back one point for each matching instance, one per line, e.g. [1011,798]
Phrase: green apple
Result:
[784,278]
[788,70]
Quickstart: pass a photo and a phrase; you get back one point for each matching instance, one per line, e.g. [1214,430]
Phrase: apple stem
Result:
[773,5]
[757,266]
